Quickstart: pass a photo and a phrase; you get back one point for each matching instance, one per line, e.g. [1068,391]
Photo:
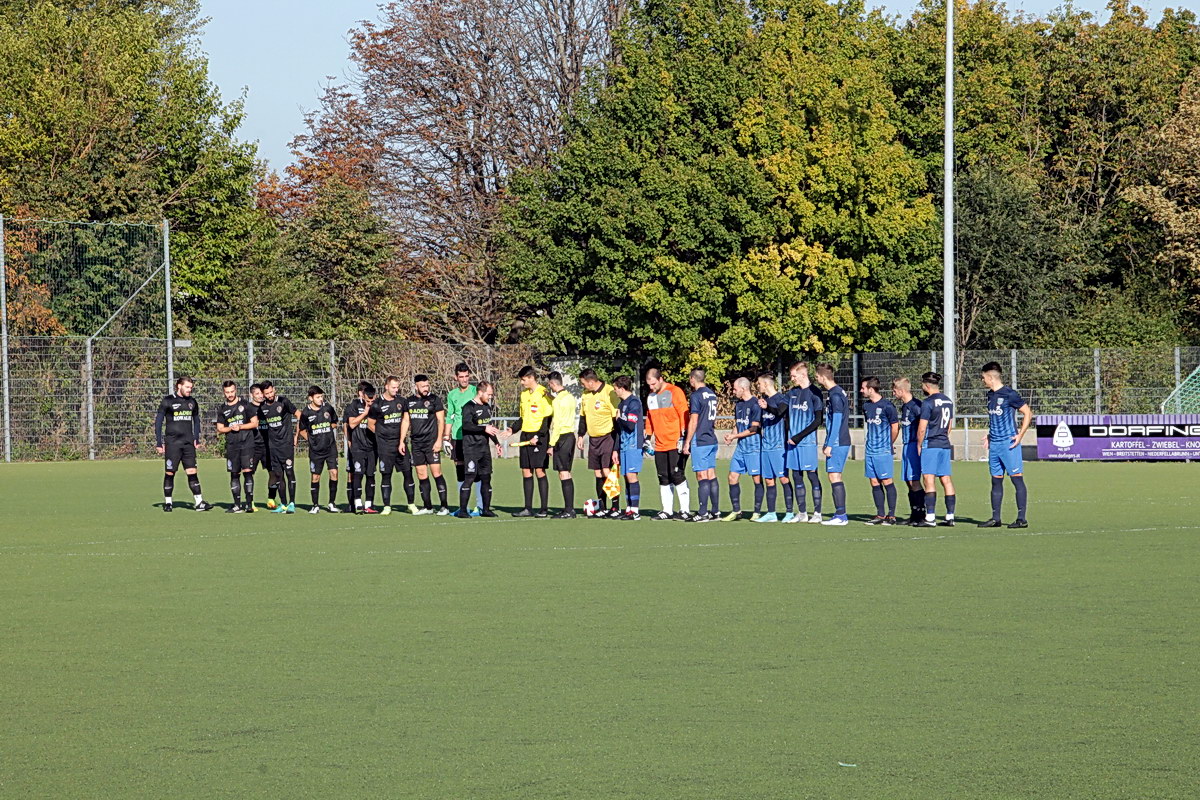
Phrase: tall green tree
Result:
[107,113]
[732,191]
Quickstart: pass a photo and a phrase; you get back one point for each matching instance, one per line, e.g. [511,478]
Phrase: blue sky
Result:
[283,53]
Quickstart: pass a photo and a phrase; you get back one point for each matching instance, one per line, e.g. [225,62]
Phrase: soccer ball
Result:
[590,507]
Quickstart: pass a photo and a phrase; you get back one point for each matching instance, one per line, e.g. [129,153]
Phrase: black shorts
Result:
[456,453]
[669,464]
[476,464]
[423,454]
[389,458]
[319,461]
[179,453]
[534,456]
[239,458]
[600,452]
[280,457]
[362,462]
[260,454]
[564,452]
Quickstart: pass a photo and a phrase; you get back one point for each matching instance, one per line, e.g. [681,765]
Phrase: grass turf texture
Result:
[212,655]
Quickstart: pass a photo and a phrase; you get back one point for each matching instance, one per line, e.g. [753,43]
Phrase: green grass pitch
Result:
[212,655]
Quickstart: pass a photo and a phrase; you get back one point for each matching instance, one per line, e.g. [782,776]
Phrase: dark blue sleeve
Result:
[755,413]
[818,401]
[890,413]
[1015,400]
[927,411]
[695,403]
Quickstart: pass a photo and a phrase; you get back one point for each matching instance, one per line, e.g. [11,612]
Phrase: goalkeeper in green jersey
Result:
[456,399]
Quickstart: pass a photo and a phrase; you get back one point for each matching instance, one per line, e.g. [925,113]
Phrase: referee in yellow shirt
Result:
[562,441]
[598,409]
[536,410]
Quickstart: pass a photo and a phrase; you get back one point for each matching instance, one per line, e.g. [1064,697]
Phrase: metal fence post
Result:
[933,360]
[966,439]
[332,373]
[250,361]
[1178,375]
[166,229]
[1013,369]
[854,391]
[4,344]
[1096,361]
[91,402]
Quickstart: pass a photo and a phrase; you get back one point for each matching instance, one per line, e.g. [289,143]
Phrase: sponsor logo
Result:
[1118,431]
[1062,436]
[470,466]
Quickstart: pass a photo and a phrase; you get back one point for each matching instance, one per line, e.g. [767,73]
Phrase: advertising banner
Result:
[1162,437]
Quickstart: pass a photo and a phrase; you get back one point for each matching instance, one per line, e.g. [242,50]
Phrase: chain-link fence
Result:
[1081,381]
[77,397]
[80,397]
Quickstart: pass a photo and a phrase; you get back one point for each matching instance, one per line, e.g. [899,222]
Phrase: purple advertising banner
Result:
[1162,437]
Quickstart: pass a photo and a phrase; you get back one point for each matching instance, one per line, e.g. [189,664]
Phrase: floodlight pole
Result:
[950,359]
[166,233]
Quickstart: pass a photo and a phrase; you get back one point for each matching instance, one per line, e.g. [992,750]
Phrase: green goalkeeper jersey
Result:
[456,398]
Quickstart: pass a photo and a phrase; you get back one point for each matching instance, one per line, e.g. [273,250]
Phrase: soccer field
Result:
[213,655]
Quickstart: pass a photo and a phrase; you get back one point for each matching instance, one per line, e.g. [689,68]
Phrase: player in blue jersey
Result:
[806,412]
[631,428]
[701,445]
[747,456]
[910,454]
[1004,443]
[774,408]
[933,439]
[837,441]
[882,425]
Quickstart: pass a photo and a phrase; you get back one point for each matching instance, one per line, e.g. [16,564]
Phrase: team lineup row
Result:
[774,436]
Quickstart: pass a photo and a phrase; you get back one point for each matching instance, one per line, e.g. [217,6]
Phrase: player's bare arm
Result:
[1026,419]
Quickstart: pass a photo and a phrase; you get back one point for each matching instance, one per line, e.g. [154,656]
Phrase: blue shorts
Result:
[880,466]
[801,457]
[935,461]
[1004,460]
[836,460]
[772,464]
[631,461]
[747,463]
[910,463]
[704,457]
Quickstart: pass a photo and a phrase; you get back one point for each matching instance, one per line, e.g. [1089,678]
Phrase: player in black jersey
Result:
[177,437]
[260,433]
[318,425]
[362,448]
[385,420]
[279,415]
[235,420]
[425,419]
[479,436]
